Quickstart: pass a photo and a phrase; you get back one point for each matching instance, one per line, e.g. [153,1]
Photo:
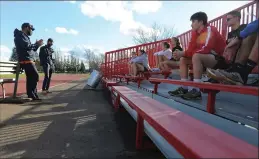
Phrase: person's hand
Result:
[229,53]
[39,42]
[234,42]
[177,54]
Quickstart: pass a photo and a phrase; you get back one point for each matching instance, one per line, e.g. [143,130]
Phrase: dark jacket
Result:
[46,55]
[25,50]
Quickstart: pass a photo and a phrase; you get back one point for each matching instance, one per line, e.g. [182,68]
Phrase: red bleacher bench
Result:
[128,78]
[108,83]
[210,88]
[190,137]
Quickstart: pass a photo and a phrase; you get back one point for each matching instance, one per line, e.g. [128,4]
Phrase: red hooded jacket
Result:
[208,40]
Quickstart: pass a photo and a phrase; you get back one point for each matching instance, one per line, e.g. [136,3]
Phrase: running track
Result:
[57,79]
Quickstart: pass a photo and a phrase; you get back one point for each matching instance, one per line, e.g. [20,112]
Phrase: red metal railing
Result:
[116,62]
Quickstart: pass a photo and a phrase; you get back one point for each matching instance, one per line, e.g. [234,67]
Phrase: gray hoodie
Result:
[142,59]
[25,50]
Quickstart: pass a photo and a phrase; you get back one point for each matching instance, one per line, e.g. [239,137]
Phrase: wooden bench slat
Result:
[191,137]
[6,80]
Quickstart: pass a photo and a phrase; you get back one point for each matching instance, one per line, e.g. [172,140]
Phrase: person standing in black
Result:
[26,56]
[46,61]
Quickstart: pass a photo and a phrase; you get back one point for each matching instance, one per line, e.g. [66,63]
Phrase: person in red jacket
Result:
[205,48]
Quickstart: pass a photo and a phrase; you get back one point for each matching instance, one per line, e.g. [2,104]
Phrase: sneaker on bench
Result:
[178,92]
[193,94]
[155,70]
[211,80]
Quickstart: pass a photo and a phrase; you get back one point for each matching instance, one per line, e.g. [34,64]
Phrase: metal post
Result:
[16,80]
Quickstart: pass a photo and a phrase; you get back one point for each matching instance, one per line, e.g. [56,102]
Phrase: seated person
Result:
[204,48]
[238,74]
[234,53]
[140,63]
[172,63]
[133,55]
[164,55]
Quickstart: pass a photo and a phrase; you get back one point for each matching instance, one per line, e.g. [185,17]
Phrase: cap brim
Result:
[32,29]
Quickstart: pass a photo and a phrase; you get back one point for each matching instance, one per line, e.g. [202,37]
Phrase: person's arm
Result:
[157,53]
[192,45]
[138,59]
[41,52]
[166,52]
[249,29]
[26,45]
[209,42]
[131,60]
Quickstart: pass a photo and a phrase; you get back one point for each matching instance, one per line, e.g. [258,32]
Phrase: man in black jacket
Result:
[26,56]
[46,62]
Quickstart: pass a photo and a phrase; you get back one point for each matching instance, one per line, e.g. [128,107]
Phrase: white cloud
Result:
[63,30]
[64,49]
[145,7]
[120,11]
[79,50]
[5,53]
[110,10]
[73,2]
[130,27]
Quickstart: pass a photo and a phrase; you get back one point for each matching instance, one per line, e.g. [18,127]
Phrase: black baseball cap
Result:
[25,25]
[50,39]
[142,51]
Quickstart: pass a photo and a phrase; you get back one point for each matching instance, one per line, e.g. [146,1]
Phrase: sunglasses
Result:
[228,19]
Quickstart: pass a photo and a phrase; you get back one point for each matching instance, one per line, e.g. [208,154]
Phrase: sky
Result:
[99,25]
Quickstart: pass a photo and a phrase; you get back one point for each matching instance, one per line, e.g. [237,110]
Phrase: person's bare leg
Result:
[140,67]
[254,53]
[240,75]
[157,61]
[184,62]
[130,69]
[168,65]
[160,60]
[162,65]
[202,60]
[199,61]
[134,69]
[245,49]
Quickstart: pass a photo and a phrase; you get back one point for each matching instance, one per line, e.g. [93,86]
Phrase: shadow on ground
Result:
[72,123]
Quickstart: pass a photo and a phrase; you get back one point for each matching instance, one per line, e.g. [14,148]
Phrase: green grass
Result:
[13,75]
[23,75]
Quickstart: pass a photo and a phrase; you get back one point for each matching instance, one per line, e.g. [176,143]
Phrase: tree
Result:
[93,59]
[14,56]
[89,56]
[158,32]
[82,67]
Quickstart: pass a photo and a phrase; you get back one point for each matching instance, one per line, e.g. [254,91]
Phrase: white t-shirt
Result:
[167,53]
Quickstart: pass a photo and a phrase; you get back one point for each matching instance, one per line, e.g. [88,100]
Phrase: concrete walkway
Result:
[69,123]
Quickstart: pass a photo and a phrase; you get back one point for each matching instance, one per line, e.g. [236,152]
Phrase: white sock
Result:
[184,79]
[195,80]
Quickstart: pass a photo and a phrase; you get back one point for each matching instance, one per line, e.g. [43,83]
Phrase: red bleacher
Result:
[215,143]
[190,137]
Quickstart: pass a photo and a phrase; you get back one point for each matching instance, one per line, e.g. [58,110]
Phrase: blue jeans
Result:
[47,69]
